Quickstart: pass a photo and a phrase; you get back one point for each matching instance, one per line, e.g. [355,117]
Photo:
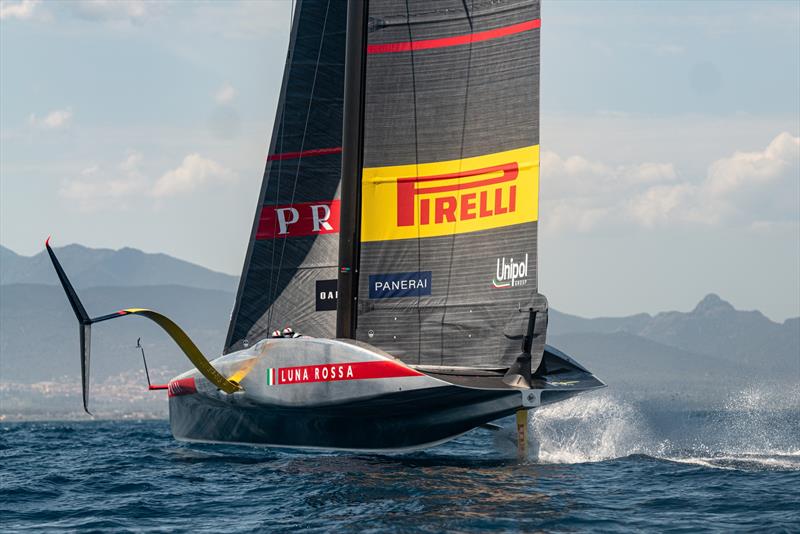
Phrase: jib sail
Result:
[449,187]
[289,276]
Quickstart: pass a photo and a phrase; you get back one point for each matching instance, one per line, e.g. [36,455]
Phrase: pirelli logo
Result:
[450,197]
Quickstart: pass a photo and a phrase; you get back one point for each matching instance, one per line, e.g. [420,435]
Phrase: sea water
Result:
[596,463]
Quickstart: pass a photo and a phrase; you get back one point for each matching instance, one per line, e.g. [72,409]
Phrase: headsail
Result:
[290,269]
[448,259]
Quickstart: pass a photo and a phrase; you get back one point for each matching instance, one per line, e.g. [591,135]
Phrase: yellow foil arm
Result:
[189,348]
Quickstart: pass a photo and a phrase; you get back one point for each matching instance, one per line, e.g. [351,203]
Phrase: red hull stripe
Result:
[426,44]
[335,372]
[305,153]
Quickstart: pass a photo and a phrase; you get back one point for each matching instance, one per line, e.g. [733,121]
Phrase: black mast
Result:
[352,163]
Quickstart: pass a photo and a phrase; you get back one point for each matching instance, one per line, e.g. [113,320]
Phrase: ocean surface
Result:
[598,463]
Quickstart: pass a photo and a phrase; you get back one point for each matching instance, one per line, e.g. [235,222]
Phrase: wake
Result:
[757,428]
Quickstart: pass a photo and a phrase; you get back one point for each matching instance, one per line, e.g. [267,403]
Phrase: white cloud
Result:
[25,9]
[754,189]
[134,11]
[580,193]
[670,49]
[90,171]
[195,172]
[118,187]
[226,94]
[579,213]
[746,169]
[98,189]
[747,187]
[576,174]
[661,204]
[111,11]
[54,120]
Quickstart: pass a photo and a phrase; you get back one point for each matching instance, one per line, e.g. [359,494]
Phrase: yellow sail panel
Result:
[450,197]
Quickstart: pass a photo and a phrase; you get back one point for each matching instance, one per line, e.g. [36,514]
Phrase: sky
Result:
[670,139]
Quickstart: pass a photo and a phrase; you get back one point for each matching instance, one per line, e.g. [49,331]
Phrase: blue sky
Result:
[670,149]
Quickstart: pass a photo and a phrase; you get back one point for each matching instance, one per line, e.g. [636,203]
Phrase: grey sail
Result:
[290,268]
[448,252]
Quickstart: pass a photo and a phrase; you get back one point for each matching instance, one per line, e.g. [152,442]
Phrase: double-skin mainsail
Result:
[447,269]
[403,172]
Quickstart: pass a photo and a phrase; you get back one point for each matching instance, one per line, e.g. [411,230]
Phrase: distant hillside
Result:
[713,328]
[39,334]
[91,267]
[634,362]
[712,346]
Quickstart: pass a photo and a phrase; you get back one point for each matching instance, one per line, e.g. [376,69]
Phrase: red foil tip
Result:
[182,386]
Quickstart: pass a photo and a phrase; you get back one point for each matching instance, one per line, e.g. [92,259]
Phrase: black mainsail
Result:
[449,187]
[289,275]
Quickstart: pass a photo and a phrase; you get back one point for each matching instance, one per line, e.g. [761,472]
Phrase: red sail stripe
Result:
[388,48]
[305,153]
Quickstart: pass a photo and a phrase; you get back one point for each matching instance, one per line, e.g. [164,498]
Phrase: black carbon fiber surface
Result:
[278,283]
[450,99]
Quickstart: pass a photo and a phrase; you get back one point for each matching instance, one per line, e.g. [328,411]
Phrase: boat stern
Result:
[560,377]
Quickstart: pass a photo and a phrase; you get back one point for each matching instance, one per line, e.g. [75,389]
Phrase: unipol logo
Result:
[510,273]
[455,197]
[294,220]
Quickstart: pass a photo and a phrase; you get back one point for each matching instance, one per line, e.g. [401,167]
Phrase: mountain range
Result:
[745,341]
[711,347]
[101,267]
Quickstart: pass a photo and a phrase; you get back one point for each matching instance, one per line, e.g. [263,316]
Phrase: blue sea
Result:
[597,463]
